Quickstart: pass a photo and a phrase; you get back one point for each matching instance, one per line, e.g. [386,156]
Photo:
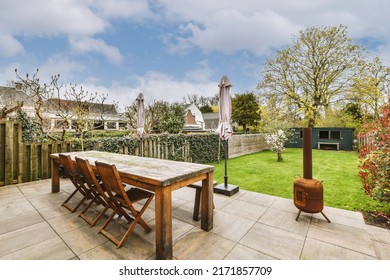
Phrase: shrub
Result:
[374,168]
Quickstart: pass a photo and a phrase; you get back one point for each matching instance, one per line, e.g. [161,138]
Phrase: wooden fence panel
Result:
[25,162]
[2,153]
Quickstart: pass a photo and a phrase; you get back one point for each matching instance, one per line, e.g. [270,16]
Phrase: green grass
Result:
[261,172]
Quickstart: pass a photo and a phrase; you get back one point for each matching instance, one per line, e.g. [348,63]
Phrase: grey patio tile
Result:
[240,252]
[245,209]
[48,199]
[285,204]
[344,236]
[83,239]
[379,234]
[53,211]
[6,191]
[185,193]
[344,217]
[220,200]
[21,220]
[231,226]
[14,206]
[274,242]
[24,237]
[201,245]
[135,248]
[318,250]
[65,223]
[177,202]
[50,249]
[35,188]
[258,198]
[286,221]
[179,228]
[185,212]
[382,250]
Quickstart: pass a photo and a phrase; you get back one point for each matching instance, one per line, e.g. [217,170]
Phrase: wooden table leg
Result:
[55,176]
[207,202]
[163,199]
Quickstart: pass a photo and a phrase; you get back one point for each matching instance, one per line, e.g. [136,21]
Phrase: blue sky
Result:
[168,49]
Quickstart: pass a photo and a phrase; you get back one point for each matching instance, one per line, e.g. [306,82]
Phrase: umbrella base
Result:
[228,190]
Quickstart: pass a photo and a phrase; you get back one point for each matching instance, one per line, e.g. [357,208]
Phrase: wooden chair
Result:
[198,194]
[98,195]
[122,200]
[71,171]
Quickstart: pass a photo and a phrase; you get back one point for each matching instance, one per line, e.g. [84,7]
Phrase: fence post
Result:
[9,153]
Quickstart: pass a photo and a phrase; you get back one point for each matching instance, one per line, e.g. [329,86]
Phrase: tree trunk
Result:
[280,158]
[311,122]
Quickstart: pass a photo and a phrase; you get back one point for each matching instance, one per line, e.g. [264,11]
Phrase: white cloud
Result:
[87,44]
[155,86]
[257,26]
[229,31]
[202,72]
[9,46]
[161,86]
[62,65]
[130,9]
[49,17]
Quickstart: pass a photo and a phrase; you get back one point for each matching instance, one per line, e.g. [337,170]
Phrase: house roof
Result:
[211,120]
[95,108]
[9,96]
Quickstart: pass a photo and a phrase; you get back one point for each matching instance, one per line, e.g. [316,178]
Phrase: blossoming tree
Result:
[276,142]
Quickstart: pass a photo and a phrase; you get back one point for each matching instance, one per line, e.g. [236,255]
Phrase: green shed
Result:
[326,138]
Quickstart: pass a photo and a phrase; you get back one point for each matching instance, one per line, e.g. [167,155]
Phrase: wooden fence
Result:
[25,162]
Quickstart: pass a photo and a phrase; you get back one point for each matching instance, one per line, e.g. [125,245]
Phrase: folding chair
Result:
[122,200]
[98,195]
[71,171]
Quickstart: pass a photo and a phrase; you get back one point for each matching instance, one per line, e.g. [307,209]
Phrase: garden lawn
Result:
[261,172]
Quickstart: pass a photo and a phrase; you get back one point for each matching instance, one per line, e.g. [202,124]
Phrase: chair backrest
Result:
[71,169]
[89,175]
[111,180]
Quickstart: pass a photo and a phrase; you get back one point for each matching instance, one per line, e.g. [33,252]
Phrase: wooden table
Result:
[159,176]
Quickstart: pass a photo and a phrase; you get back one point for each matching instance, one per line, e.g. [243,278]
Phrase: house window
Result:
[98,125]
[324,134]
[111,125]
[335,134]
[122,126]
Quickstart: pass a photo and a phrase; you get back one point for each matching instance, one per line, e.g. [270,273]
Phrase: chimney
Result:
[307,153]
[18,86]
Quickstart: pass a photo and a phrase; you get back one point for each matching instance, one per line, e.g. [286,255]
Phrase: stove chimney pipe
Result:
[307,153]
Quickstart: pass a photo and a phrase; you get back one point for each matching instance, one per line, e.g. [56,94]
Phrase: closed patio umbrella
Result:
[140,120]
[225,131]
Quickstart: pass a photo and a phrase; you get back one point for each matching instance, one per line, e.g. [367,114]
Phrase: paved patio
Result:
[247,226]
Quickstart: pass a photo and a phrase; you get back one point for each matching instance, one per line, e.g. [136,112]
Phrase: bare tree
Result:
[74,107]
[41,94]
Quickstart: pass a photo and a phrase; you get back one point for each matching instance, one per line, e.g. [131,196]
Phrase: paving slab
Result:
[274,242]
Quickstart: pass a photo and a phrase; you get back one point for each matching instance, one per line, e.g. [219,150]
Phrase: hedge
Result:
[199,148]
